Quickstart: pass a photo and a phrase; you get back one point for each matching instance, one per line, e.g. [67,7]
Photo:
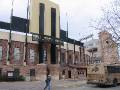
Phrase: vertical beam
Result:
[41,31]
[74,53]
[53,35]
[80,55]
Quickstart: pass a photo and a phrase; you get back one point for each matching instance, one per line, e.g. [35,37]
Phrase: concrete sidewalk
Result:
[67,84]
[39,85]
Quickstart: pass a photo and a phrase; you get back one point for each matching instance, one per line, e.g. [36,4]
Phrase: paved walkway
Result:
[68,83]
[39,85]
[62,84]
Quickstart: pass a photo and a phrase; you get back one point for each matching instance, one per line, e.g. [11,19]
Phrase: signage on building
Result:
[35,37]
[10,73]
[46,38]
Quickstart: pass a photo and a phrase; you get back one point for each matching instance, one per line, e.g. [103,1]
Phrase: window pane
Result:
[113,69]
[0,53]
[16,54]
[41,18]
[53,22]
[32,55]
[44,55]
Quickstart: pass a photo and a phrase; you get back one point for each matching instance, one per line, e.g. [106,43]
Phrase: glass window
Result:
[113,69]
[32,55]
[44,55]
[53,22]
[16,54]
[0,53]
[41,18]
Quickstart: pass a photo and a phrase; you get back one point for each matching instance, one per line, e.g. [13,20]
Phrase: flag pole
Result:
[10,30]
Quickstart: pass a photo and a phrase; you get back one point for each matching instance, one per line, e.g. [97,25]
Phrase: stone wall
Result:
[109,49]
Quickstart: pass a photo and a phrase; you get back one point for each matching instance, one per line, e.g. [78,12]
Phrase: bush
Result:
[20,78]
[3,78]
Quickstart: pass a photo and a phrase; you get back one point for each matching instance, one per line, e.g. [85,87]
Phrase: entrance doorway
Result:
[69,74]
[32,74]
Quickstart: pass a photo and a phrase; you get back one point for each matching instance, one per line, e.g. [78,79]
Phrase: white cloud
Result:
[80,13]
[19,9]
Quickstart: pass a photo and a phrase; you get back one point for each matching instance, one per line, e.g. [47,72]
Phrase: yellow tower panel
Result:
[34,17]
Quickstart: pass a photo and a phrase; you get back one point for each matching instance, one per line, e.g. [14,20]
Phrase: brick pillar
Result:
[4,44]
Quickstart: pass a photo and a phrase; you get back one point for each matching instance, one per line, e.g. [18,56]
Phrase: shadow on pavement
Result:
[103,86]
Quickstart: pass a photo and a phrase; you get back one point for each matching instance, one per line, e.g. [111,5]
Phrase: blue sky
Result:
[80,14]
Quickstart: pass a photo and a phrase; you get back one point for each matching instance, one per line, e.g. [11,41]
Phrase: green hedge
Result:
[5,78]
[20,78]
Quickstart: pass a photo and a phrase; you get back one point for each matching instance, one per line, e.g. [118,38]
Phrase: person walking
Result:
[48,83]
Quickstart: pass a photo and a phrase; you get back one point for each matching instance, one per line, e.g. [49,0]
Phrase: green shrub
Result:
[20,78]
[3,78]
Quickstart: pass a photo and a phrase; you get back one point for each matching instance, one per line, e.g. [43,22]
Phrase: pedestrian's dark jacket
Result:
[48,80]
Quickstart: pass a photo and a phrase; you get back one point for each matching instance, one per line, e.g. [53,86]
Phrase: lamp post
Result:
[67,38]
[27,29]
[11,21]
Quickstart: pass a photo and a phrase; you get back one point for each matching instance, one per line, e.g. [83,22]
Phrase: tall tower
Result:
[109,49]
[45,21]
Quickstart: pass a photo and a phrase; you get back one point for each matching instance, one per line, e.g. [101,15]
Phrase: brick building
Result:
[69,62]
[40,50]
[72,59]
[32,58]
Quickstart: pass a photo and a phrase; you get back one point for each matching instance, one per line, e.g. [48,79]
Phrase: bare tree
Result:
[111,20]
